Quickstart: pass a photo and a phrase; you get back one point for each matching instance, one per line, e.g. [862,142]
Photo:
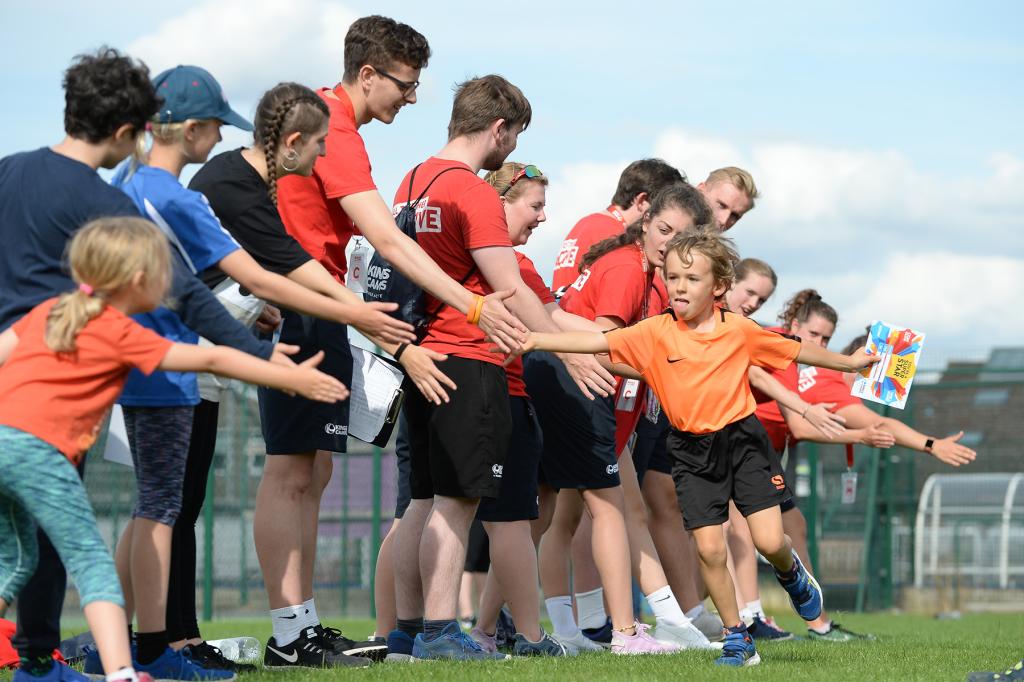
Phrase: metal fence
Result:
[863,553]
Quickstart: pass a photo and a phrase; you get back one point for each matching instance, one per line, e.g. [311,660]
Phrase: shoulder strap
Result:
[427,188]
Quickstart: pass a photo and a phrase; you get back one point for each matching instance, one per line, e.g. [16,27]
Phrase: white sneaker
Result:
[710,625]
[685,636]
[577,643]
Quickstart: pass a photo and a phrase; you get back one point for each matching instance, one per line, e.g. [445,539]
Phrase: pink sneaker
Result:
[488,643]
[640,643]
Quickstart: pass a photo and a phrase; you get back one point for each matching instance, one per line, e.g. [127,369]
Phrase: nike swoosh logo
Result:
[291,659]
[671,360]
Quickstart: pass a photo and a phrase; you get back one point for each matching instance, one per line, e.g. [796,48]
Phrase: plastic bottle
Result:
[238,649]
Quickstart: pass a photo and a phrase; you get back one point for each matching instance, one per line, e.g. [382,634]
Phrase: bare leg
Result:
[466,596]
[405,560]
[711,549]
[278,526]
[584,572]
[546,498]
[554,562]
[744,558]
[766,531]
[109,628]
[643,556]
[514,565]
[323,468]
[384,585]
[673,543]
[611,553]
[491,601]
[443,554]
[150,569]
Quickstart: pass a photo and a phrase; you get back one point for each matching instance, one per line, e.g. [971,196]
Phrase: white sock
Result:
[311,618]
[590,609]
[288,623]
[126,673]
[746,615]
[755,608]
[695,612]
[560,613]
[666,608]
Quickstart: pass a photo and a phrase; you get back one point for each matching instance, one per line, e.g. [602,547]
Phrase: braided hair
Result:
[285,109]
[803,305]
[680,195]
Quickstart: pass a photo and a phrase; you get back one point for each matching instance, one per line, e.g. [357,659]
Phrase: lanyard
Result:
[849,456]
[617,214]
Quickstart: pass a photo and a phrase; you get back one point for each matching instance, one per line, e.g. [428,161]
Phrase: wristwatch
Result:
[928,444]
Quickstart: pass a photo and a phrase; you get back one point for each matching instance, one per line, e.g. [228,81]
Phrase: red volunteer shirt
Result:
[528,271]
[310,206]
[460,213]
[588,231]
[821,385]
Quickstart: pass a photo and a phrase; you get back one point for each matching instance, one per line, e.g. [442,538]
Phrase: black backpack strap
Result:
[427,188]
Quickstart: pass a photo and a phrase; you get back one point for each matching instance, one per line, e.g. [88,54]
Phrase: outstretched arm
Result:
[304,378]
[946,450]
[826,423]
[567,342]
[813,354]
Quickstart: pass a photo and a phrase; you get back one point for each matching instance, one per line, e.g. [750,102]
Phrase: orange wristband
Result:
[474,312]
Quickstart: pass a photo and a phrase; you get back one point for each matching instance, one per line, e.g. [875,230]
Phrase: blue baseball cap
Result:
[192,92]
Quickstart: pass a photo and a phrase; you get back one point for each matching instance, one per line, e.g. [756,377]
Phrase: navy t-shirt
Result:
[194,231]
[44,198]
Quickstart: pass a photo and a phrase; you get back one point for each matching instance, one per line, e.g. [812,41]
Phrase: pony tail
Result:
[270,142]
[805,303]
[68,317]
[631,235]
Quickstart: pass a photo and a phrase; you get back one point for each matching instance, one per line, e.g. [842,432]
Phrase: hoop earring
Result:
[292,156]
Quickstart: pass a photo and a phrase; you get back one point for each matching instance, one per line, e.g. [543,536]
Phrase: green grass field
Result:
[908,648]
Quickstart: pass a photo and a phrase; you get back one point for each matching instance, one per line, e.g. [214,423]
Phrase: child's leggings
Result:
[38,485]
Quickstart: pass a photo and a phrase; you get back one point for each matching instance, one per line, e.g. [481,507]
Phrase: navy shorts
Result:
[403,468]
[295,425]
[579,434]
[518,498]
[735,463]
[458,448]
[650,451]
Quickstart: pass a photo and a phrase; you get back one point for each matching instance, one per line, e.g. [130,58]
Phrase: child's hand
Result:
[527,344]
[419,366]
[877,437]
[861,359]
[281,353]
[501,326]
[373,319]
[315,385]
[828,423]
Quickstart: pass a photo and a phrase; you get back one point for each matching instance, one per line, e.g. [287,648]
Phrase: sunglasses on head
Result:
[524,172]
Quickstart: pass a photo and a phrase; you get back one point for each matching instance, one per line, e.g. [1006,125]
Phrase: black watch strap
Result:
[928,444]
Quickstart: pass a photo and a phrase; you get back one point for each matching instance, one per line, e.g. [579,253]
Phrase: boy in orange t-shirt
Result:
[695,358]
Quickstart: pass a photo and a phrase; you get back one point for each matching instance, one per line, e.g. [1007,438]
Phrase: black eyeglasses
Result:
[405,87]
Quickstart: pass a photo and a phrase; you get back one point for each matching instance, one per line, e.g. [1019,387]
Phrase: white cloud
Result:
[251,45]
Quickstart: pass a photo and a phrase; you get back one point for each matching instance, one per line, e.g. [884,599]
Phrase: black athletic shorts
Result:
[579,434]
[790,501]
[293,424]
[518,498]
[478,548]
[711,468]
[650,451]
[403,468]
[458,448]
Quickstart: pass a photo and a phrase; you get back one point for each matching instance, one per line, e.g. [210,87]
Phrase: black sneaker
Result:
[210,657]
[505,632]
[601,635]
[307,652]
[375,649]
[766,628]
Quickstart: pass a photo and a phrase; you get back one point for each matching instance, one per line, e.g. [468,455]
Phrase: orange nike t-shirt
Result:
[701,378]
[61,398]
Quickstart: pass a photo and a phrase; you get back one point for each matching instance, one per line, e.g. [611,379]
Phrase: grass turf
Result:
[908,648]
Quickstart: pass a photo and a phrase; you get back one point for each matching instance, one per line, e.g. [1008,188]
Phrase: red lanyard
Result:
[617,214]
[849,456]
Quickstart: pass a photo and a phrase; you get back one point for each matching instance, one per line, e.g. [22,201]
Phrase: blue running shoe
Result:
[92,664]
[399,648]
[804,591]
[174,665]
[738,651]
[452,644]
[767,629]
[601,635]
[60,672]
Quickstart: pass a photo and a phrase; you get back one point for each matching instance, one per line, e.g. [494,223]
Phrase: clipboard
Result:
[376,397]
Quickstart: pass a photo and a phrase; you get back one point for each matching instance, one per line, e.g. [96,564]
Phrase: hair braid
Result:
[285,109]
[271,138]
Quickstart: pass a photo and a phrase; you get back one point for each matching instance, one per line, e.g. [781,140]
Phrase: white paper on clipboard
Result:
[117,449]
[375,386]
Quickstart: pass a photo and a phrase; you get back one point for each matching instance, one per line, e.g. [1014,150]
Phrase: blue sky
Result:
[887,138]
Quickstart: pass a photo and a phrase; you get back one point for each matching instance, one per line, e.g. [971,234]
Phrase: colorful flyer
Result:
[888,381]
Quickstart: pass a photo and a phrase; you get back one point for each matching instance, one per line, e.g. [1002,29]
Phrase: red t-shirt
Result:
[310,206]
[61,398]
[617,286]
[532,279]
[768,412]
[821,385]
[460,213]
[588,231]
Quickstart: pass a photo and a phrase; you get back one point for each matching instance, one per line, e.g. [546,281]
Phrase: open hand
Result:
[269,319]
[861,359]
[419,365]
[373,320]
[588,374]
[877,437]
[828,423]
[501,326]
[281,353]
[949,451]
[313,384]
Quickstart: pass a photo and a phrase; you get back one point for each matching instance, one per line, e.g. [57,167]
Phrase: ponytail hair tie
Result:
[85,289]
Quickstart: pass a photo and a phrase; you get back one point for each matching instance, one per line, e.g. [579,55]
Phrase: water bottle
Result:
[238,649]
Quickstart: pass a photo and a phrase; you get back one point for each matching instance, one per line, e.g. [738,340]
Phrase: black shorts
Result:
[790,502]
[458,448]
[403,468]
[518,498]
[478,549]
[579,434]
[650,451]
[734,463]
[293,424]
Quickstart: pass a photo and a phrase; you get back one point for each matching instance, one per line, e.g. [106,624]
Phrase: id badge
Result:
[653,411]
[356,280]
[627,395]
[849,479]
